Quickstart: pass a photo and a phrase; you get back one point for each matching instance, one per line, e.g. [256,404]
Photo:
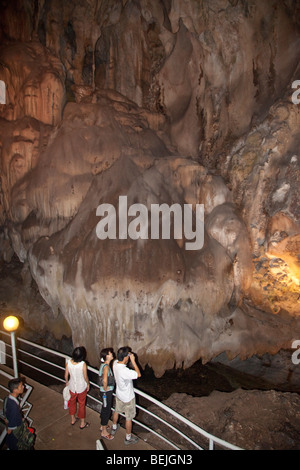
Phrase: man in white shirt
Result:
[125,396]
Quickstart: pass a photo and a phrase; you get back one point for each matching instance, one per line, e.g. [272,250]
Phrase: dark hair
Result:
[79,354]
[123,352]
[104,352]
[13,384]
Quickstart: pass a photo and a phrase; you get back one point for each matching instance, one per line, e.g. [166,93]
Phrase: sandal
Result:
[85,426]
[109,437]
[76,419]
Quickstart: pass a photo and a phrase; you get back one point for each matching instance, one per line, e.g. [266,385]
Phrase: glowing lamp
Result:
[11,323]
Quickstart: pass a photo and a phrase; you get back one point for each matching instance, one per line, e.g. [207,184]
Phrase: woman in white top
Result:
[77,380]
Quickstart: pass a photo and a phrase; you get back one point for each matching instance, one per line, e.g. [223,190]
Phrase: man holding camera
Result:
[125,396]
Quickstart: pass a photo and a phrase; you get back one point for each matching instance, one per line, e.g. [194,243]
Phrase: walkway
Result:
[53,425]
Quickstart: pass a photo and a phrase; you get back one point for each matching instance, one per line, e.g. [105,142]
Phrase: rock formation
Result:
[249,419]
[164,103]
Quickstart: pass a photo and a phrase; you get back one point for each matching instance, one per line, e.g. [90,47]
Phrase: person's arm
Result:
[67,374]
[86,376]
[132,359]
[13,416]
[8,419]
[105,377]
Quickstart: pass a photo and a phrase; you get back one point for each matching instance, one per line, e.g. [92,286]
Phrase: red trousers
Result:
[81,398]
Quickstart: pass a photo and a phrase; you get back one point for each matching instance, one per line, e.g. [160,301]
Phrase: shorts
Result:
[128,409]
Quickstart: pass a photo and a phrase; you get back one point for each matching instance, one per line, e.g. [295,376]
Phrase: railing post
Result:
[14,353]
[2,352]
[99,445]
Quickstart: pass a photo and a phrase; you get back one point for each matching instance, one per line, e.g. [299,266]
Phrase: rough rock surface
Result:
[249,419]
[164,102]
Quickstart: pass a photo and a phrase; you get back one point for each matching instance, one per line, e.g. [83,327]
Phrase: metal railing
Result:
[59,376]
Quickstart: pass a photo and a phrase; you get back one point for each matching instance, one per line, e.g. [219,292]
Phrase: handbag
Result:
[110,380]
[66,393]
[25,436]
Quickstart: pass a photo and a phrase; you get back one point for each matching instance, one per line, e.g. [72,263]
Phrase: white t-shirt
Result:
[77,383]
[124,378]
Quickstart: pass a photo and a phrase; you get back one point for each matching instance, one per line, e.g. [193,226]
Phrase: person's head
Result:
[123,353]
[79,354]
[104,353]
[16,386]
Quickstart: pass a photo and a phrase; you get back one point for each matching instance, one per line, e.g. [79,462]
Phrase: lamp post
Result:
[11,324]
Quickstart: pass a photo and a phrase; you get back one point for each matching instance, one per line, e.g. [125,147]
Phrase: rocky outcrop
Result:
[34,83]
[164,103]
[131,291]
[263,173]
[249,419]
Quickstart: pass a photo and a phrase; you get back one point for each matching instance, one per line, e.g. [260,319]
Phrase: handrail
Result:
[211,438]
